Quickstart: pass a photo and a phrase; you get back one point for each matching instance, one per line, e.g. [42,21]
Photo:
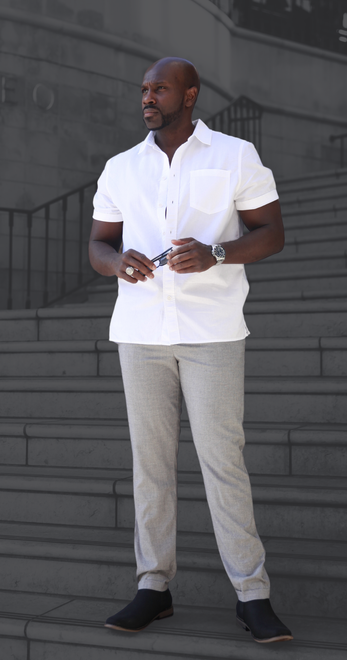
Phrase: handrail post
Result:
[45,292]
[10,258]
[29,225]
[342,151]
[63,281]
[342,138]
[80,236]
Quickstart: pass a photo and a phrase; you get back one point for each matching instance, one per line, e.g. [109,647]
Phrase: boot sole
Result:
[162,615]
[279,638]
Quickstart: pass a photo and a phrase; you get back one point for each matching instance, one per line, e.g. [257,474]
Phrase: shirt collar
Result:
[201,132]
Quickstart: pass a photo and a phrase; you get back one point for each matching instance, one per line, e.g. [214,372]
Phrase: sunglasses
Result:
[162,258]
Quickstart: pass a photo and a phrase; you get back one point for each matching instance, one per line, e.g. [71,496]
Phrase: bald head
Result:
[169,91]
[183,71]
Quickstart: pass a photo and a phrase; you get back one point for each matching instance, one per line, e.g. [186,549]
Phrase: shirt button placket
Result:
[170,316]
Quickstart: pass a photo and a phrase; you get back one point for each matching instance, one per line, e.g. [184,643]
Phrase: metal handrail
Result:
[241,118]
[82,273]
[342,138]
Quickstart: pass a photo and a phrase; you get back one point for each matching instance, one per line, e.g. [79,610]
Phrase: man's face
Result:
[162,98]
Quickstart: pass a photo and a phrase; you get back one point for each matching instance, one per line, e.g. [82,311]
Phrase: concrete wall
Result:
[71,70]
[88,58]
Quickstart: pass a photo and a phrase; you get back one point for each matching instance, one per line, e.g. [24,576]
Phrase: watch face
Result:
[219,252]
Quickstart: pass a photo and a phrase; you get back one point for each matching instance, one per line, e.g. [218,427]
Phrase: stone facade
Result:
[70,74]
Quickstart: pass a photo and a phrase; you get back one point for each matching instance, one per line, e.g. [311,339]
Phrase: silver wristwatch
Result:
[218,253]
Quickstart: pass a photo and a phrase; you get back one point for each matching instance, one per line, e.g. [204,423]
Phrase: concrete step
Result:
[302,263]
[285,506]
[312,450]
[282,296]
[64,628]
[64,397]
[289,399]
[309,243]
[101,564]
[319,224]
[314,181]
[288,281]
[59,358]
[264,357]
[55,323]
[297,318]
[314,198]
[103,293]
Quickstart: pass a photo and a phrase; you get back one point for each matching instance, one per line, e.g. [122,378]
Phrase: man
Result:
[180,328]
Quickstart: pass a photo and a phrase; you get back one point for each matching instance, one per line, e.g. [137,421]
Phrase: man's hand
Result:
[142,265]
[190,256]
[104,245]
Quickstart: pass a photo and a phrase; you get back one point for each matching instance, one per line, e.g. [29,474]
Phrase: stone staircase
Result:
[66,500]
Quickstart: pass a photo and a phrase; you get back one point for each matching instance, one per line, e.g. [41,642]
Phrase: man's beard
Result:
[169,118]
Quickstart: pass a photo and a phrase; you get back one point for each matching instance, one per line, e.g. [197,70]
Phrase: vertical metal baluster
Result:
[81,201]
[10,259]
[45,293]
[29,225]
[342,151]
[260,131]
[247,122]
[63,281]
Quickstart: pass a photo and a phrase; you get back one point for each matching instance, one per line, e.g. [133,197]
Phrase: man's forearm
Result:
[254,246]
[103,257]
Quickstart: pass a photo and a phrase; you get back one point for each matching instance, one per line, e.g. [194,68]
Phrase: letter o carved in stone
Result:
[43,96]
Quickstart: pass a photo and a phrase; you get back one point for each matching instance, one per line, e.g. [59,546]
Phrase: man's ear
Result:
[191,96]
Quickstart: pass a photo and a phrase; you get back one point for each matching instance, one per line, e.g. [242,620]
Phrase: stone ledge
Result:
[297,560]
[322,295]
[75,312]
[255,434]
[322,385]
[304,275]
[286,490]
[105,346]
[297,306]
[62,384]
[281,258]
[42,346]
[191,632]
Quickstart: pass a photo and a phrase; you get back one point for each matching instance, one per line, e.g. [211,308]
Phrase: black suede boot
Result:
[258,617]
[147,606]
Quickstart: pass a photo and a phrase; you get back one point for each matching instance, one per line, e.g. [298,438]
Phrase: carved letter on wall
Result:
[8,90]
[43,96]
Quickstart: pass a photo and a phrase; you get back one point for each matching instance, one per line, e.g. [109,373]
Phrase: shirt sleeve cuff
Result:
[107,217]
[255,203]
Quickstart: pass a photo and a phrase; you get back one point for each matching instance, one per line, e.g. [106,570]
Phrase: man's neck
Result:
[169,139]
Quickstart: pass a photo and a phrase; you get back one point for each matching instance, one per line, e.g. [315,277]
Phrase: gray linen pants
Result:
[211,377]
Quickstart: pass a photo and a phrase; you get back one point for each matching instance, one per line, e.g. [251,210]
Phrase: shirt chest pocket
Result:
[209,190]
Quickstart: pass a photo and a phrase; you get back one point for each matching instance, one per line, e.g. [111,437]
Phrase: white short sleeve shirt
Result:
[212,176]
